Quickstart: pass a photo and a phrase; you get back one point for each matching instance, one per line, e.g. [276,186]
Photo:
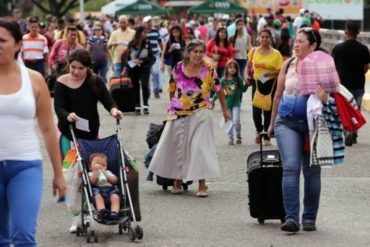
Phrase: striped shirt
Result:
[34,47]
[155,39]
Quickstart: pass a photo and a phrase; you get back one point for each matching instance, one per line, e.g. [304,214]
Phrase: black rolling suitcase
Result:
[123,93]
[264,170]
[168,182]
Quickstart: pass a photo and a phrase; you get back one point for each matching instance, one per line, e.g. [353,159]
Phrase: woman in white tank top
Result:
[24,98]
[242,42]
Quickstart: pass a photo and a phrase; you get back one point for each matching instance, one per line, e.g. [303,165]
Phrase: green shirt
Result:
[232,89]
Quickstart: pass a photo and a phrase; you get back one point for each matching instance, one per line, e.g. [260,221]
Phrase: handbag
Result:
[261,101]
[322,149]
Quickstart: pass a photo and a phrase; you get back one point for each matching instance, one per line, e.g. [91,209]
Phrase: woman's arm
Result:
[60,102]
[277,98]
[45,121]
[210,48]
[105,98]
[221,97]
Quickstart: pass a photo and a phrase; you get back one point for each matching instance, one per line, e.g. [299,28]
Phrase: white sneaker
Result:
[74,224]
[73,229]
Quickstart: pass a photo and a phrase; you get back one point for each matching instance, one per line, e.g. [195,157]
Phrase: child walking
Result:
[233,86]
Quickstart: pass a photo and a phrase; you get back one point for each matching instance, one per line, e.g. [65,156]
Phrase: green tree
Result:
[57,8]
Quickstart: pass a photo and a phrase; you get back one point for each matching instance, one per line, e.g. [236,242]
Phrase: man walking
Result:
[118,42]
[352,62]
[35,47]
[156,43]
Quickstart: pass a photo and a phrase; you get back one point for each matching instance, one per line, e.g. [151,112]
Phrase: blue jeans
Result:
[156,74]
[21,185]
[242,63]
[235,116]
[101,68]
[117,69]
[291,136]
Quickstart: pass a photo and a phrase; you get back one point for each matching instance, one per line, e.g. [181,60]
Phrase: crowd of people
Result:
[207,59]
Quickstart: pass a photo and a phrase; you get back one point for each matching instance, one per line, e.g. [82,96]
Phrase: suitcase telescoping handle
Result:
[261,135]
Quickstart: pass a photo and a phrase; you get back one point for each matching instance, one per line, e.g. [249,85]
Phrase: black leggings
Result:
[140,75]
[257,113]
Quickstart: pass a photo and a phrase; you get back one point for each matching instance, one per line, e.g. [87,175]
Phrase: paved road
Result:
[223,218]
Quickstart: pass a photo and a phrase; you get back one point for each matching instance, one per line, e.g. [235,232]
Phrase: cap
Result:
[301,11]
[277,22]
[147,18]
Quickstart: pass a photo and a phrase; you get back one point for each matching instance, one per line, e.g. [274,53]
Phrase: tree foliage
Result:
[57,8]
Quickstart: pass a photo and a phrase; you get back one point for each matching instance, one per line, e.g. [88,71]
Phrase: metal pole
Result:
[82,11]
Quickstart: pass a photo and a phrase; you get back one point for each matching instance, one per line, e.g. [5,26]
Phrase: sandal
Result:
[176,191]
[177,187]
[257,140]
[267,143]
[203,192]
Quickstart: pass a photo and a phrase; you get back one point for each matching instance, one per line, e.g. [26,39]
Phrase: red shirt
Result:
[226,53]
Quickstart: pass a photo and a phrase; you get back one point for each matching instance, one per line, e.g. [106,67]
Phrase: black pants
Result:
[140,75]
[265,89]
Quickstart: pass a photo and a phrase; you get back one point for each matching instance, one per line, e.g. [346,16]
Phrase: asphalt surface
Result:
[223,218]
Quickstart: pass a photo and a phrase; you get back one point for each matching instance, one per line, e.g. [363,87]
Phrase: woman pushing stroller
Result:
[76,97]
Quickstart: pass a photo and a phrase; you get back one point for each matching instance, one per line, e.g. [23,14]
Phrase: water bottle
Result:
[102,179]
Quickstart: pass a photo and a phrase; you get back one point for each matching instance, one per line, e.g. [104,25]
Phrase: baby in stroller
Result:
[104,187]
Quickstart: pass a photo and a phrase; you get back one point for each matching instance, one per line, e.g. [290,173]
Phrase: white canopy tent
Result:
[111,8]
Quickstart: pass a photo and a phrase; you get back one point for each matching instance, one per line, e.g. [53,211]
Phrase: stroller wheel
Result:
[261,220]
[78,231]
[139,232]
[120,228]
[131,233]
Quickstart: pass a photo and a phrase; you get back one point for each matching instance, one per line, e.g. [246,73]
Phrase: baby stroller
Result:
[129,212]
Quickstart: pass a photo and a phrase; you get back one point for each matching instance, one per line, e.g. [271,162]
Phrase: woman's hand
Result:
[226,116]
[323,96]
[116,113]
[270,131]
[72,117]
[59,186]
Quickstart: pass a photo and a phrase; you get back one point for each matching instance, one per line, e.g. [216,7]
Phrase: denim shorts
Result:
[105,191]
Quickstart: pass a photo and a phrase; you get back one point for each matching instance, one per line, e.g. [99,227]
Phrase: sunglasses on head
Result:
[308,30]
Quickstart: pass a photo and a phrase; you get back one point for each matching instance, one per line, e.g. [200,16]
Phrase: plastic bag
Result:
[73,180]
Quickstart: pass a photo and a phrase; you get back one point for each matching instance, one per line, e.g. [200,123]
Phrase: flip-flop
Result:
[202,194]
[176,191]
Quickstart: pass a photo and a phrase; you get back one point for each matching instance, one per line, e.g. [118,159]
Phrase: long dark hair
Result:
[13,28]
[217,38]
[135,41]
[181,39]
[227,68]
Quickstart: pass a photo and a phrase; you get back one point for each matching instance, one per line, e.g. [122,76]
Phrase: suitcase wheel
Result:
[261,220]
[282,220]
[185,187]
[164,187]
